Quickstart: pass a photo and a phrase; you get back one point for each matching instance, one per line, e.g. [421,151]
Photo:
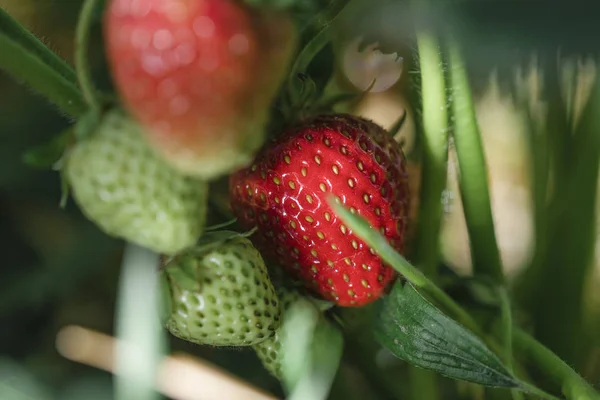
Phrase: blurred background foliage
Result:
[58,269]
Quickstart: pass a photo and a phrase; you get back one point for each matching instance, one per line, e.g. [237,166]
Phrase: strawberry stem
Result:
[507,335]
[82,66]
[573,386]
[473,180]
[17,32]
[434,135]
[216,227]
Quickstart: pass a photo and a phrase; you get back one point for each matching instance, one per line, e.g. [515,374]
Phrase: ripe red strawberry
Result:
[200,75]
[284,193]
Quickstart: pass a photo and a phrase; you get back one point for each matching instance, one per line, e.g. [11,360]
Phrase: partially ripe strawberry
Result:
[200,75]
[284,193]
[220,294]
[132,193]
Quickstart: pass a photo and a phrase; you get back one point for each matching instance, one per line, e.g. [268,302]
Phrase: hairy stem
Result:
[435,153]
[25,66]
[15,31]
[473,173]
[573,386]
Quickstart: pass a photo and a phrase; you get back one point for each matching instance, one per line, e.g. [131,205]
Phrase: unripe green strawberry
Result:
[220,293]
[130,192]
[269,351]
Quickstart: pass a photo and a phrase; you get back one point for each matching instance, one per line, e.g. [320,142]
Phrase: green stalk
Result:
[433,129]
[435,152]
[507,336]
[25,66]
[473,174]
[82,35]
[573,386]
[15,31]
[507,326]
[319,41]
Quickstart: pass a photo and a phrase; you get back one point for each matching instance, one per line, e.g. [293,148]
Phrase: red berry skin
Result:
[199,75]
[284,193]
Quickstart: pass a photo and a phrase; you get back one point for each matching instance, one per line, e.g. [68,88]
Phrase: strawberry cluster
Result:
[197,81]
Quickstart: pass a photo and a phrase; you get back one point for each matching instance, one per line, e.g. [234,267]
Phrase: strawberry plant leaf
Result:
[48,154]
[416,331]
[320,40]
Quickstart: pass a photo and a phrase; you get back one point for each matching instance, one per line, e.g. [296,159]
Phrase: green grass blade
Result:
[379,243]
[473,173]
[558,309]
[547,142]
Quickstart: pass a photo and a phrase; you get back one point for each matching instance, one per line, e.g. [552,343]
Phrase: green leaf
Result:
[48,154]
[312,352]
[214,239]
[319,41]
[416,331]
